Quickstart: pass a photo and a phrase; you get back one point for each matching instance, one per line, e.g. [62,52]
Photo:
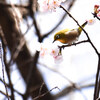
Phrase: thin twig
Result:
[16,51]
[74,44]
[95,15]
[1,57]
[38,97]
[8,96]
[8,86]
[41,88]
[21,42]
[69,89]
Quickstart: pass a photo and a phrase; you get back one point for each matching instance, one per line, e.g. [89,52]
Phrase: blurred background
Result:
[24,74]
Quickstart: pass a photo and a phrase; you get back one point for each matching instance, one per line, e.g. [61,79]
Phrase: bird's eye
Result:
[57,36]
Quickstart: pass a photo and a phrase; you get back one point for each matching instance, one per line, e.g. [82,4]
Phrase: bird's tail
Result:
[83,25]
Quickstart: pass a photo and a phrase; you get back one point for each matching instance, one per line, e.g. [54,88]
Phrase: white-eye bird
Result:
[67,36]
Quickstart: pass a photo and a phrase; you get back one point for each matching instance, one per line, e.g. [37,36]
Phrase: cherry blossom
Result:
[49,5]
[49,49]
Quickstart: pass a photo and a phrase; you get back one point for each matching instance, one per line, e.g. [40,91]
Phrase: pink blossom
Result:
[51,5]
[58,59]
[54,51]
[49,49]
[43,52]
[91,21]
[98,14]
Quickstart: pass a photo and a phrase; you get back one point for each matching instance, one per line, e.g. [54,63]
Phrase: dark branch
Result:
[95,15]
[69,89]
[74,44]
[38,97]
[10,5]
[3,56]
[97,82]
[8,96]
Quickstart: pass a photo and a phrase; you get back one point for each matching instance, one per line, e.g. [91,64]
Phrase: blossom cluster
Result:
[46,5]
[49,49]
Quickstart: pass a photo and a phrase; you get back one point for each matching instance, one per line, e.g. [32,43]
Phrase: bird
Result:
[69,36]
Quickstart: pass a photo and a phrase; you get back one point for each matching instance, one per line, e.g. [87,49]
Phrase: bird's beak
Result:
[53,41]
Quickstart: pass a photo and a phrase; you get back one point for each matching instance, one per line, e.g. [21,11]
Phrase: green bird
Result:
[68,36]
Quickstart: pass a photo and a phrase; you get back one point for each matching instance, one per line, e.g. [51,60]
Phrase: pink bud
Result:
[96,6]
[58,59]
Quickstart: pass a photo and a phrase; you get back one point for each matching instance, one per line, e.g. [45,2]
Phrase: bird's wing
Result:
[72,34]
[64,31]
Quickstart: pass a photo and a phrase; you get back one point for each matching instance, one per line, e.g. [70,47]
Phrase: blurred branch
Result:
[3,4]
[54,70]
[6,66]
[72,87]
[38,97]
[29,27]
[34,5]
[8,96]
[29,71]
[69,89]
[16,51]
[8,86]
[61,20]
[4,54]
[32,14]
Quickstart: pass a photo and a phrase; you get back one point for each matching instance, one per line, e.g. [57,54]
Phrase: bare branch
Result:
[95,15]
[38,97]
[2,4]
[8,96]
[1,57]
[8,86]
[69,89]
[97,82]
[74,44]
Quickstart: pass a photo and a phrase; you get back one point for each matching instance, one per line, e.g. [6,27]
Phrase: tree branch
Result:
[69,89]
[74,44]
